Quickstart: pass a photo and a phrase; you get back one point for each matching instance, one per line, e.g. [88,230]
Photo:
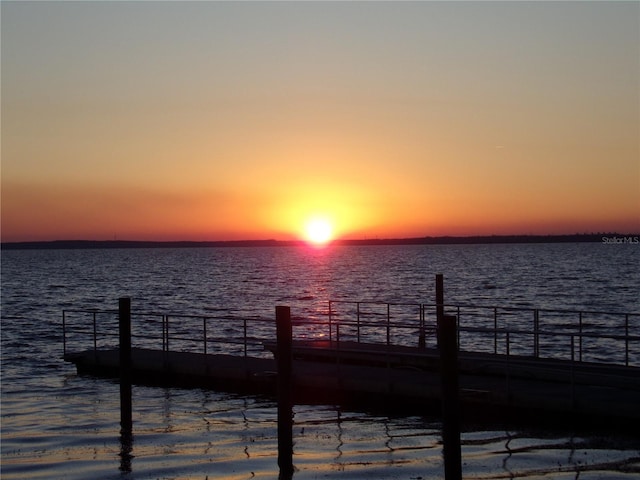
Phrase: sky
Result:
[246,120]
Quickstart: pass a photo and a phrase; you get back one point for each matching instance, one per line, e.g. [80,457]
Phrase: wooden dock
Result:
[355,361]
[398,378]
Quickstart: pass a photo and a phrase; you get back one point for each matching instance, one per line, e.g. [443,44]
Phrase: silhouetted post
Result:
[124,322]
[448,345]
[284,358]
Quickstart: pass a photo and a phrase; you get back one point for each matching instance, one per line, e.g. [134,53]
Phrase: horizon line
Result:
[425,240]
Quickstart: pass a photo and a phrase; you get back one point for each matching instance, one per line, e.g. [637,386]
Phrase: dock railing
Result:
[178,332]
[579,336]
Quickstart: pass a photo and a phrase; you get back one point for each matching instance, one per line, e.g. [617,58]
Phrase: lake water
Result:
[56,424]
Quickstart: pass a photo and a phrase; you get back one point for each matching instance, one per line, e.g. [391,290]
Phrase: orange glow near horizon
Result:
[351,213]
[387,120]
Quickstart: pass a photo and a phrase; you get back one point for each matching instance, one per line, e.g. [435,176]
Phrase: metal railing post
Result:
[204,333]
[580,338]
[573,383]
[330,321]
[244,335]
[164,338]
[508,372]
[536,333]
[95,334]
[422,340]
[626,340]
[388,324]
[439,296]
[166,325]
[64,333]
[338,343]
[495,330]
[358,321]
[458,324]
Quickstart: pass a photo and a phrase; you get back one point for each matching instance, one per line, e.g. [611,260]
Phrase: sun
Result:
[318,231]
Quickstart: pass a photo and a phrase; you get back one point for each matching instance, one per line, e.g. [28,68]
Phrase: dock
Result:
[410,382]
[344,367]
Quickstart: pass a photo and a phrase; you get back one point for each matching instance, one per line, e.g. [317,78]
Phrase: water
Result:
[56,424]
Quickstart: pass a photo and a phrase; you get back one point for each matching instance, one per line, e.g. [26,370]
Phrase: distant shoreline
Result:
[442,240]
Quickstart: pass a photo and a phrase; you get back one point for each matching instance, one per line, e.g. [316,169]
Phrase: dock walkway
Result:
[399,380]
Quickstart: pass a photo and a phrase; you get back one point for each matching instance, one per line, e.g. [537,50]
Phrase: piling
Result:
[284,358]
[448,345]
[124,324]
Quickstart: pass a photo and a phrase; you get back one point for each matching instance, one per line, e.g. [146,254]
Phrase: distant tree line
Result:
[443,240]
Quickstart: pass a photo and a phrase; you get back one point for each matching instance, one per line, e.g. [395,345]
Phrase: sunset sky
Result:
[242,120]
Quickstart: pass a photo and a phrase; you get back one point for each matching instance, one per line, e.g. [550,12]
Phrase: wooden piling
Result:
[124,324]
[284,358]
[450,397]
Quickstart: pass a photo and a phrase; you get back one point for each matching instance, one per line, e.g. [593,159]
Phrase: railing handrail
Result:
[359,318]
[488,307]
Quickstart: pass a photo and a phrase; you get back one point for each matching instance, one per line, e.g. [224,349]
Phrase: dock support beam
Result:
[448,342]
[284,357]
